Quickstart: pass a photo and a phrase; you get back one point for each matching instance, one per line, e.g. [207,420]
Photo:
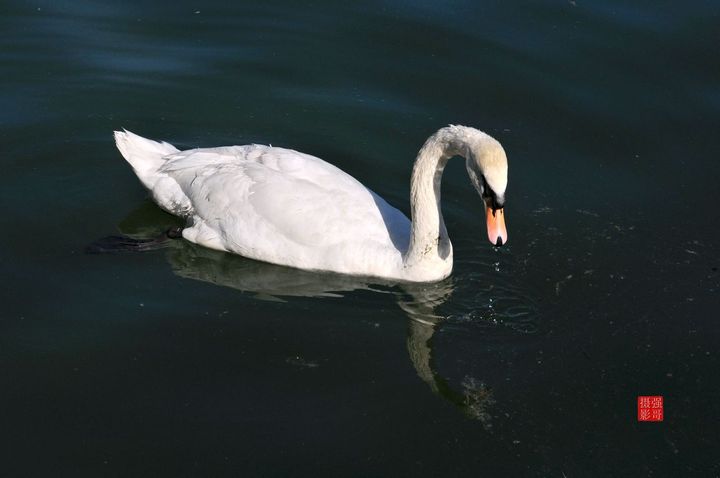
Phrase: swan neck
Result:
[429,242]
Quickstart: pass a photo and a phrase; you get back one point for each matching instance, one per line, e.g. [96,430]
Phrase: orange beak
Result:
[496,226]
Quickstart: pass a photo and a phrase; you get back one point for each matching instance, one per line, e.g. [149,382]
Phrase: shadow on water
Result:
[468,300]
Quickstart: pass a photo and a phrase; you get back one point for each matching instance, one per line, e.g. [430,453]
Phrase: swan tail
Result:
[144,155]
[147,158]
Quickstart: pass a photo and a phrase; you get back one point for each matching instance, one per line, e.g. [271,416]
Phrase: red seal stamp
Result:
[650,408]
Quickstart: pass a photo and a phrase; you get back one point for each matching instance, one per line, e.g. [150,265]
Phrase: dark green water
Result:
[527,362]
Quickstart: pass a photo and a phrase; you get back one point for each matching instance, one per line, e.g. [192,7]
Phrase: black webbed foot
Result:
[119,244]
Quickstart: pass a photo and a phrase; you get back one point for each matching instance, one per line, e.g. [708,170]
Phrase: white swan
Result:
[289,208]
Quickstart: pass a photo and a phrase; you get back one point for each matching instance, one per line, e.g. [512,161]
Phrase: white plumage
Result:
[285,207]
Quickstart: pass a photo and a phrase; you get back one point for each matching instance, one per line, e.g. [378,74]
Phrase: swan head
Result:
[488,170]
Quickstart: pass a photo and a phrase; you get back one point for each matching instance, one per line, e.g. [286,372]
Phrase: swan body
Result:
[289,208]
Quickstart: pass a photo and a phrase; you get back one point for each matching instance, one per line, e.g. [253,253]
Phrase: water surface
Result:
[526,362]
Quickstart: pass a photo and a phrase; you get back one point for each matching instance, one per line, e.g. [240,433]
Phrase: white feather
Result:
[280,206]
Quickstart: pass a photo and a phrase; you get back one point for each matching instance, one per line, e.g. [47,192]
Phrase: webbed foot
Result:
[118,244]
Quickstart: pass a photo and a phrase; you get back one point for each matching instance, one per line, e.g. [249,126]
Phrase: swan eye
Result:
[490,197]
[486,191]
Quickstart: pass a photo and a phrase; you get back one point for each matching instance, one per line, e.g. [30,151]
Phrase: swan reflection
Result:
[424,304]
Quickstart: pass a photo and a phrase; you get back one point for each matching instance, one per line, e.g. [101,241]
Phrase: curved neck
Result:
[429,241]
